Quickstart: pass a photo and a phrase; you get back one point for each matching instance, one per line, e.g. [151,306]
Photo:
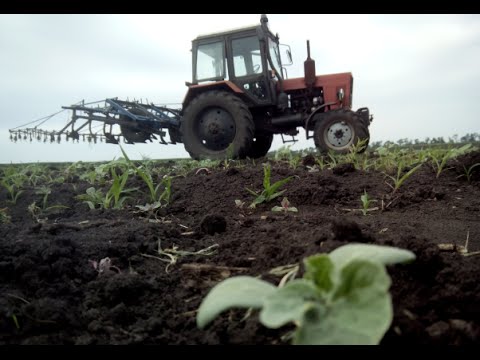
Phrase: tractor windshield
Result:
[210,61]
[275,56]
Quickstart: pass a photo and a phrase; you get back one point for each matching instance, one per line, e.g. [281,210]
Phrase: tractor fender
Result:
[312,119]
[195,90]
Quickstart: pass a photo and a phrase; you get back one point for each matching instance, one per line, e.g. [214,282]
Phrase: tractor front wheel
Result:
[217,125]
[341,131]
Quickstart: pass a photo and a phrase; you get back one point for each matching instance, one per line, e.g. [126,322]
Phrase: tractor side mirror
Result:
[286,53]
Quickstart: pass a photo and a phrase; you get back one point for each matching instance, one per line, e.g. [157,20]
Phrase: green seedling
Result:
[399,179]
[146,176]
[320,162]
[342,298]
[37,211]
[12,190]
[164,197]
[294,161]
[365,202]
[94,197]
[439,161]
[89,176]
[269,190]
[360,146]
[354,153]
[15,321]
[333,160]
[149,208]
[283,153]
[44,191]
[4,217]
[228,156]
[469,172]
[118,189]
[285,207]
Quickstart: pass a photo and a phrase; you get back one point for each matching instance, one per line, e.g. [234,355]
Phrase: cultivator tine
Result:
[145,121]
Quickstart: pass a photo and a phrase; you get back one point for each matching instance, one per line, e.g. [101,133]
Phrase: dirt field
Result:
[50,292]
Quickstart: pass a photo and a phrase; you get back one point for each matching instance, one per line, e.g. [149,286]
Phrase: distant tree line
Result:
[455,139]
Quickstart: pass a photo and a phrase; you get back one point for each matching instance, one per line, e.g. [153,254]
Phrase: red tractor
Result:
[239,98]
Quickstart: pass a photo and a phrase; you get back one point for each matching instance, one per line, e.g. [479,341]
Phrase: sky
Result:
[418,74]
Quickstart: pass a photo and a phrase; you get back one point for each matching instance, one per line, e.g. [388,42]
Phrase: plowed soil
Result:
[50,292]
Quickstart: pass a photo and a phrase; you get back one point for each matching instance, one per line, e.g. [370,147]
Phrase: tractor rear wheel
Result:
[217,124]
[340,131]
[132,133]
[260,145]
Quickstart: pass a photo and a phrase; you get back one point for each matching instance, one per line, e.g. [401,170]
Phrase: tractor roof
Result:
[227,32]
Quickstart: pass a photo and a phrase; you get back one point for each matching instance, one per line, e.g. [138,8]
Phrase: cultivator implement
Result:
[132,121]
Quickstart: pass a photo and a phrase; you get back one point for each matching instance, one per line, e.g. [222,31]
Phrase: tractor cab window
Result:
[246,56]
[210,61]
[275,55]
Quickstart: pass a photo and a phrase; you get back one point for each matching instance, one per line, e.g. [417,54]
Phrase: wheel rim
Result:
[215,128]
[339,135]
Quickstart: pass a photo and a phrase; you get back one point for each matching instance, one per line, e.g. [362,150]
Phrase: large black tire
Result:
[339,131]
[131,133]
[260,145]
[214,120]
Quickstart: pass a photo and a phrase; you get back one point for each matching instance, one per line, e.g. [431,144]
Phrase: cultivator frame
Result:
[139,122]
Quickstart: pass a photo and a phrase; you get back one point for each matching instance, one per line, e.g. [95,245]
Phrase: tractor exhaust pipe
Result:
[309,66]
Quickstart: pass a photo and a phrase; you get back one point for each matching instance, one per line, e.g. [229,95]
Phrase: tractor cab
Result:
[247,60]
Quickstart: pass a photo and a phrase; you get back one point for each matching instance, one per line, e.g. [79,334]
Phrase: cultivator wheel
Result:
[132,133]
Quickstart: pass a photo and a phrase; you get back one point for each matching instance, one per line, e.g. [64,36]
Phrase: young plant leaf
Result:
[360,314]
[385,255]
[287,304]
[238,291]
[319,268]
[343,298]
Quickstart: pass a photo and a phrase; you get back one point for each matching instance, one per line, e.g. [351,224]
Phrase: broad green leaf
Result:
[288,303]
[319,268]
[258,200]
[360,314]
[91,191]
[279,184]
[463,149]
[362,279]
[238,291]
[91,205]
[385,255]
[275,195]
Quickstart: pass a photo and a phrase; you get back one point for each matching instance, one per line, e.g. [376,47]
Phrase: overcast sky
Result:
[418,74]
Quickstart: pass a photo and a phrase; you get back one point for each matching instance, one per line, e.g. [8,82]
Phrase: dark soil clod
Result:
[343,169]
[348,231]
[212,224]
[308,160]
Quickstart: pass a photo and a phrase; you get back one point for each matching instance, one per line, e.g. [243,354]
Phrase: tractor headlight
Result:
[341,94]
